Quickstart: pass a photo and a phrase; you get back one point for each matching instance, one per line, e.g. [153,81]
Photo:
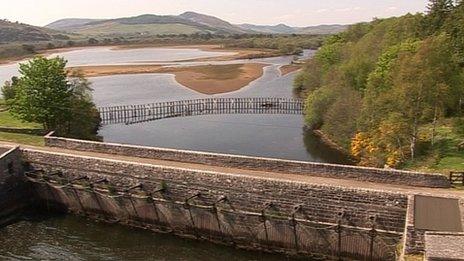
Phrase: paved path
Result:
[349,184]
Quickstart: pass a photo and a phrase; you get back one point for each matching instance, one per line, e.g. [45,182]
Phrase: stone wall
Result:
[14,195]
[258,213]
[255,163]
[414,239]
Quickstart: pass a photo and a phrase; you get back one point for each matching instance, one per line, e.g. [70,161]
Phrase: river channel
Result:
[44,237]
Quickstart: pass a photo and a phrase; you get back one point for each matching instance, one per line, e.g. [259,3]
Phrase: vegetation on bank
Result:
[44,94]
[282,44]
[391,92]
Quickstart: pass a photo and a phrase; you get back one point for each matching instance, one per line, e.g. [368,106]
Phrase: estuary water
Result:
[52,237]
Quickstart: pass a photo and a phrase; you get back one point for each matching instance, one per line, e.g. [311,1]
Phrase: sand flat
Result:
[206,79]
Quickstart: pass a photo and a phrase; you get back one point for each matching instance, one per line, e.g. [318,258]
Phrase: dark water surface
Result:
[45,237]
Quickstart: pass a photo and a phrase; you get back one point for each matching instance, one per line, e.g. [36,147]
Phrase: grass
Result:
[26,139]
[8,121]
[444,156]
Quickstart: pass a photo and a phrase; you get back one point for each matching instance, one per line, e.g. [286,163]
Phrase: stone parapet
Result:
[256,163]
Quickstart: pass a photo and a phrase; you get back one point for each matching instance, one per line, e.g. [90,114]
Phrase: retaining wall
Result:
[14,193]
[241,220]
[256,163]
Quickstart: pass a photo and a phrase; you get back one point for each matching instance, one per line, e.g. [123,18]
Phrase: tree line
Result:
[372,87]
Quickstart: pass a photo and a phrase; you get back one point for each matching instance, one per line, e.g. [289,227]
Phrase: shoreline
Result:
[239,53]
[205,79]
[332,144]
[289,68]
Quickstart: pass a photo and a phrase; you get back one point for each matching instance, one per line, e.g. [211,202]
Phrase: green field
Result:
[8,121]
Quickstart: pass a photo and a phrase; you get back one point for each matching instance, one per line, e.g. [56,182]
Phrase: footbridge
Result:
[131,114]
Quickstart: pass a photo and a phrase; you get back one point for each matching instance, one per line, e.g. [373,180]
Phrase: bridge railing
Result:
[130,114]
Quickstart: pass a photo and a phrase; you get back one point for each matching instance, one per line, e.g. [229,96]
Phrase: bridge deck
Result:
[131,114]
[349,184]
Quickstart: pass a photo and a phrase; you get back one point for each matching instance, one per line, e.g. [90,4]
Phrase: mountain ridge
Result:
[286,29]
[187,22]
[20,32]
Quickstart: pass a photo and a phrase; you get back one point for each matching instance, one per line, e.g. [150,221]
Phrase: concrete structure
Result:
[444,246]
[14,192]
[315,210]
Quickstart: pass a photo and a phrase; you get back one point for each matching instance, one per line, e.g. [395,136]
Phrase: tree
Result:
[93,41]
[438,12]
[9,89]
[455,28]
[85,118]
[44,94]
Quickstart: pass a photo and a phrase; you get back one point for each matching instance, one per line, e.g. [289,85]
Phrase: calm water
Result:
[276,136]
[108,56]
[42,237]
[279,136]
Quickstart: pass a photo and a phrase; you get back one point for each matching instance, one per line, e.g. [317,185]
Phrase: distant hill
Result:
[322,29]
[19,32]
[269,29]
[186,23]
[70,24]
[285,29]
[214,22]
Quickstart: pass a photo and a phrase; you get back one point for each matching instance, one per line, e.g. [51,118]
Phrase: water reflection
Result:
[321,151]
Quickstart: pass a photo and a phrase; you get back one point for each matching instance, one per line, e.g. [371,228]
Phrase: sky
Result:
[263,12]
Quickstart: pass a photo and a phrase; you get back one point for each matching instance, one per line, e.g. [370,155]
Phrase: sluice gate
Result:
[131,114]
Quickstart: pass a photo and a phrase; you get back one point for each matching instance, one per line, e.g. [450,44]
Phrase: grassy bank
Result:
[445,155]
[274,45]
[8,121]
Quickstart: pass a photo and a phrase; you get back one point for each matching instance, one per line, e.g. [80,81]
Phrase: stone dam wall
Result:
[14,192]
[255,163]
[247,212]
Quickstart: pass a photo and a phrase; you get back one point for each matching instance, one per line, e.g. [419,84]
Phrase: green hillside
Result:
[391,91]
[18,32]
[187,23]
[111,28]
